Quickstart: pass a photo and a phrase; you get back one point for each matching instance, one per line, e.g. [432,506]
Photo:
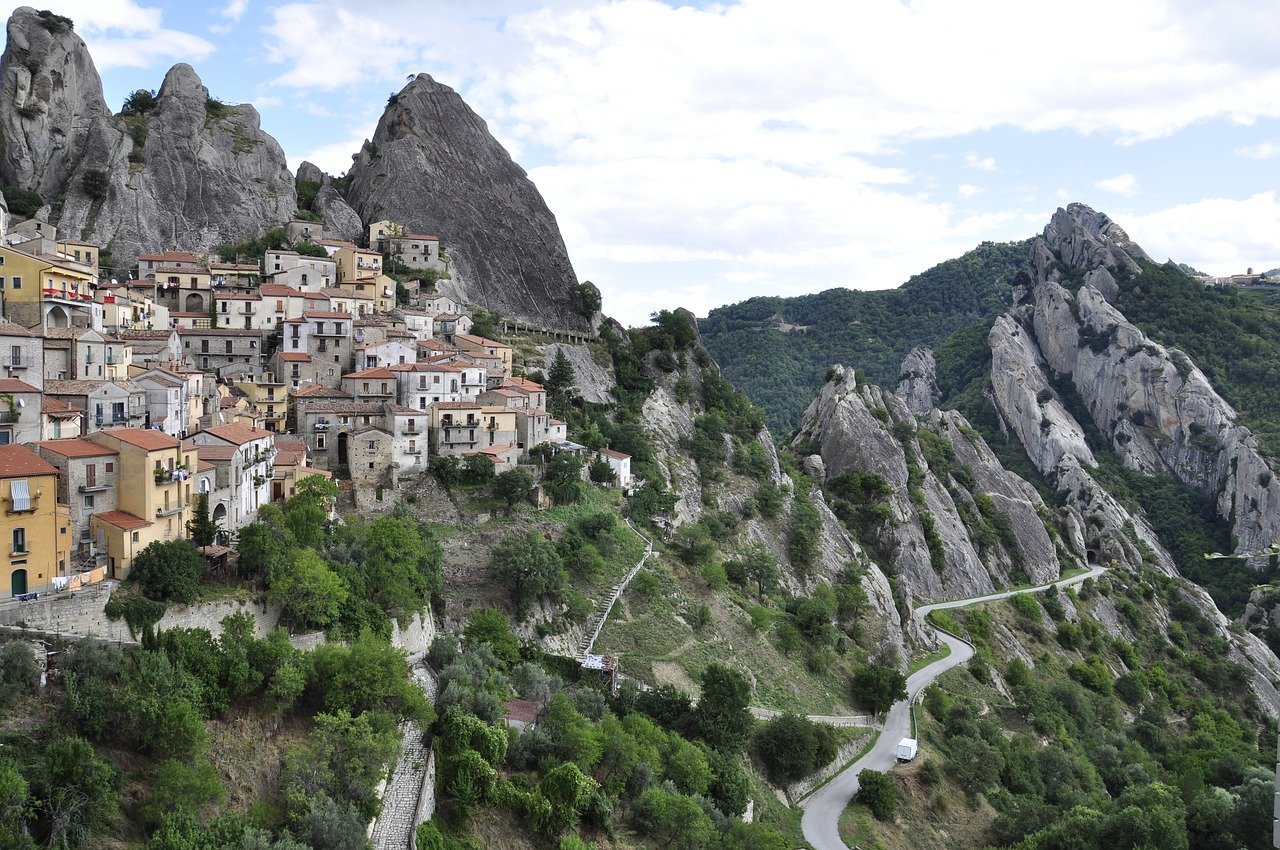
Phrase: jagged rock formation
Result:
[189,172]
[918,381]
[433,166]
[1152,404]
[51,102]
[201,173]
[333,209]
[865,429]
[595,383]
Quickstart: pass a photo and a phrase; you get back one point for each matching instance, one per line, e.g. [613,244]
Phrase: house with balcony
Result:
[20,416]
[152,348]
[47,291]
[107,404]
[215,349]
[245,310]
[225,275]
[378,384]
[83,253]
[181,285]
[244,458]
[421,385]
[124,308]
[437,304]
[329,336]
[87,482]
[301,272]
[357,264]
[281,303]
[456,428]
[269,397]
[389,352]
[330,427]
[21,354]
[166,401]
[85,354]
[35,530]
[419,322]
[154,494]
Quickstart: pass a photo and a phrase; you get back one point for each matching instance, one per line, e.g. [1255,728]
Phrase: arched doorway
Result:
[195,303]
[219,514]
[18,582]
[57,317]
[342,448]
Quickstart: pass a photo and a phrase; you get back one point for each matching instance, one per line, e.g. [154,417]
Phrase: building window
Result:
[111,467]
[319,441]
[19,541]
[134,537]
[228,346]
[372,445]
[88,501]
[17,282]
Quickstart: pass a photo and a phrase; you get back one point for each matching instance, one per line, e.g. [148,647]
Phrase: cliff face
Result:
[51,102]
[192,173]
[956,523]
[334,211]
[189,172]
[433,166]
[1152,404]
[918,381]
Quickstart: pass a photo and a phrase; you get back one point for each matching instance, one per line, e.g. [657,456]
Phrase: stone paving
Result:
[403,803]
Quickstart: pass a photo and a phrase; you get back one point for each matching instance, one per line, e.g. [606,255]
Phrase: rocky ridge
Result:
[862,428]
[334,211]
[918,381]
[433,165]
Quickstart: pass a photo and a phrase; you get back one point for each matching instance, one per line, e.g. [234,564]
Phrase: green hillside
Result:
[777,350]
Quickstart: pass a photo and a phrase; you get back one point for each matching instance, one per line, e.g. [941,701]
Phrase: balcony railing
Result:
[8,417]
[170,510]
[168,476]
[95,486]
[412,429]
[322,425]
[16,362]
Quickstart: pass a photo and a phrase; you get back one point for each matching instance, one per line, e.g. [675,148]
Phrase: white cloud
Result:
[1217,235]
[234,10]
[1262,150]
[126,34]
[266,101]
[985,163]
[968,190]
[334,157]
[737,134]
[1122,184]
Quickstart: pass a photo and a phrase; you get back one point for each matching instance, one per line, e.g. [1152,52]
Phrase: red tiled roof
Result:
[521,710]
[237,433]
[143,438]
[172,256]
[215,453]
[615,454]
[13,385]
[295,357]
[325,314]
[18,460]
[75,447]
[277,290]
[57,407]
[123,520]
[375,372]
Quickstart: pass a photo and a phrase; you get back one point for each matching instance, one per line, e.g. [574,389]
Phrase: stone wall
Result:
[81,613]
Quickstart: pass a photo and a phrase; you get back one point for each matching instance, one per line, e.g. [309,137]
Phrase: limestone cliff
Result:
[433,165]
[954,522]
[918,381]
[1152,404]
[184,172]
[334,211]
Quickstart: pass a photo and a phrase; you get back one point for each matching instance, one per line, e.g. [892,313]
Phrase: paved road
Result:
[822,809]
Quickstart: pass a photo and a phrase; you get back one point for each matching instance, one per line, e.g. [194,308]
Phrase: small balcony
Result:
[168,476]
[412,430]
[8,417]
[98,485]
[16,362]
[170,510]
[322,425]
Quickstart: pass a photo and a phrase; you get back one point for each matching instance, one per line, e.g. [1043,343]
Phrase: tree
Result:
[478,468]
[344,757]
[202,530]
[19,672]
[560,376]
[79,798]
[722,718]
[182,787]
[601,472]
[531,569]
[589,298]
[445,469]
[567,788]
[311,593]
[878,792]
[878,687]
[563,478]
[512,487]
[490,626]
[139,102]
[169,571]
[755,565]
[788,747]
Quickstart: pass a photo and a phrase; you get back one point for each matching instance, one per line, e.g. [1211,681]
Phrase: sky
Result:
[699,154]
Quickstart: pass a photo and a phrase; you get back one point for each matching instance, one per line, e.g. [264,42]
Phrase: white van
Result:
[907,749]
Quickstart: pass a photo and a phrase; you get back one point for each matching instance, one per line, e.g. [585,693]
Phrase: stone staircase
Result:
[409,795]
[604,606]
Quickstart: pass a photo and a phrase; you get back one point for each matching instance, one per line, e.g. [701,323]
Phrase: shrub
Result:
[139,102]
[169,571]
[22,203]
[878,792]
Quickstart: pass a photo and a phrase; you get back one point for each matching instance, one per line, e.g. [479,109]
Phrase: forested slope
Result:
[777,350]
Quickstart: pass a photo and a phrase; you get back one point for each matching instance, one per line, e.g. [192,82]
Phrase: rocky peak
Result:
[1084,238]
[433,165]
[50,100]
[918,380]
[339,219]
[309,172]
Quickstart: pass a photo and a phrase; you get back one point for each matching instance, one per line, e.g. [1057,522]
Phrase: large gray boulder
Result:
[191,174]
[918,381]
[337,215]
[51,102]
[433,166]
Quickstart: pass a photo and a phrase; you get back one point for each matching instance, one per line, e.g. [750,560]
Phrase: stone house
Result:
[153,348]
[504,457]
[212,349]
[421,323]
[387,353]
[107,404]
[244,310]
[20,416]
[301,272]
[87,483]
[21,354]
[59,419]
[249,455]
[449,325]
[329,337]
[378,384]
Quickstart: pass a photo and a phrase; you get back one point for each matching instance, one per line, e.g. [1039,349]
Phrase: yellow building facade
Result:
[35,536]
[155,494]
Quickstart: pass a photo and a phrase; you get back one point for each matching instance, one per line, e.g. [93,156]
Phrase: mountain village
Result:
[133,402]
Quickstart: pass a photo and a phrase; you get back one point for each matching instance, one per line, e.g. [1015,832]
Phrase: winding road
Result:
[822,809]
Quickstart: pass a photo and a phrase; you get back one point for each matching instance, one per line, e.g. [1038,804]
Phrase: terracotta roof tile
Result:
[122,520]
[75,447]
[237,433]
[18,460]
[143,438]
